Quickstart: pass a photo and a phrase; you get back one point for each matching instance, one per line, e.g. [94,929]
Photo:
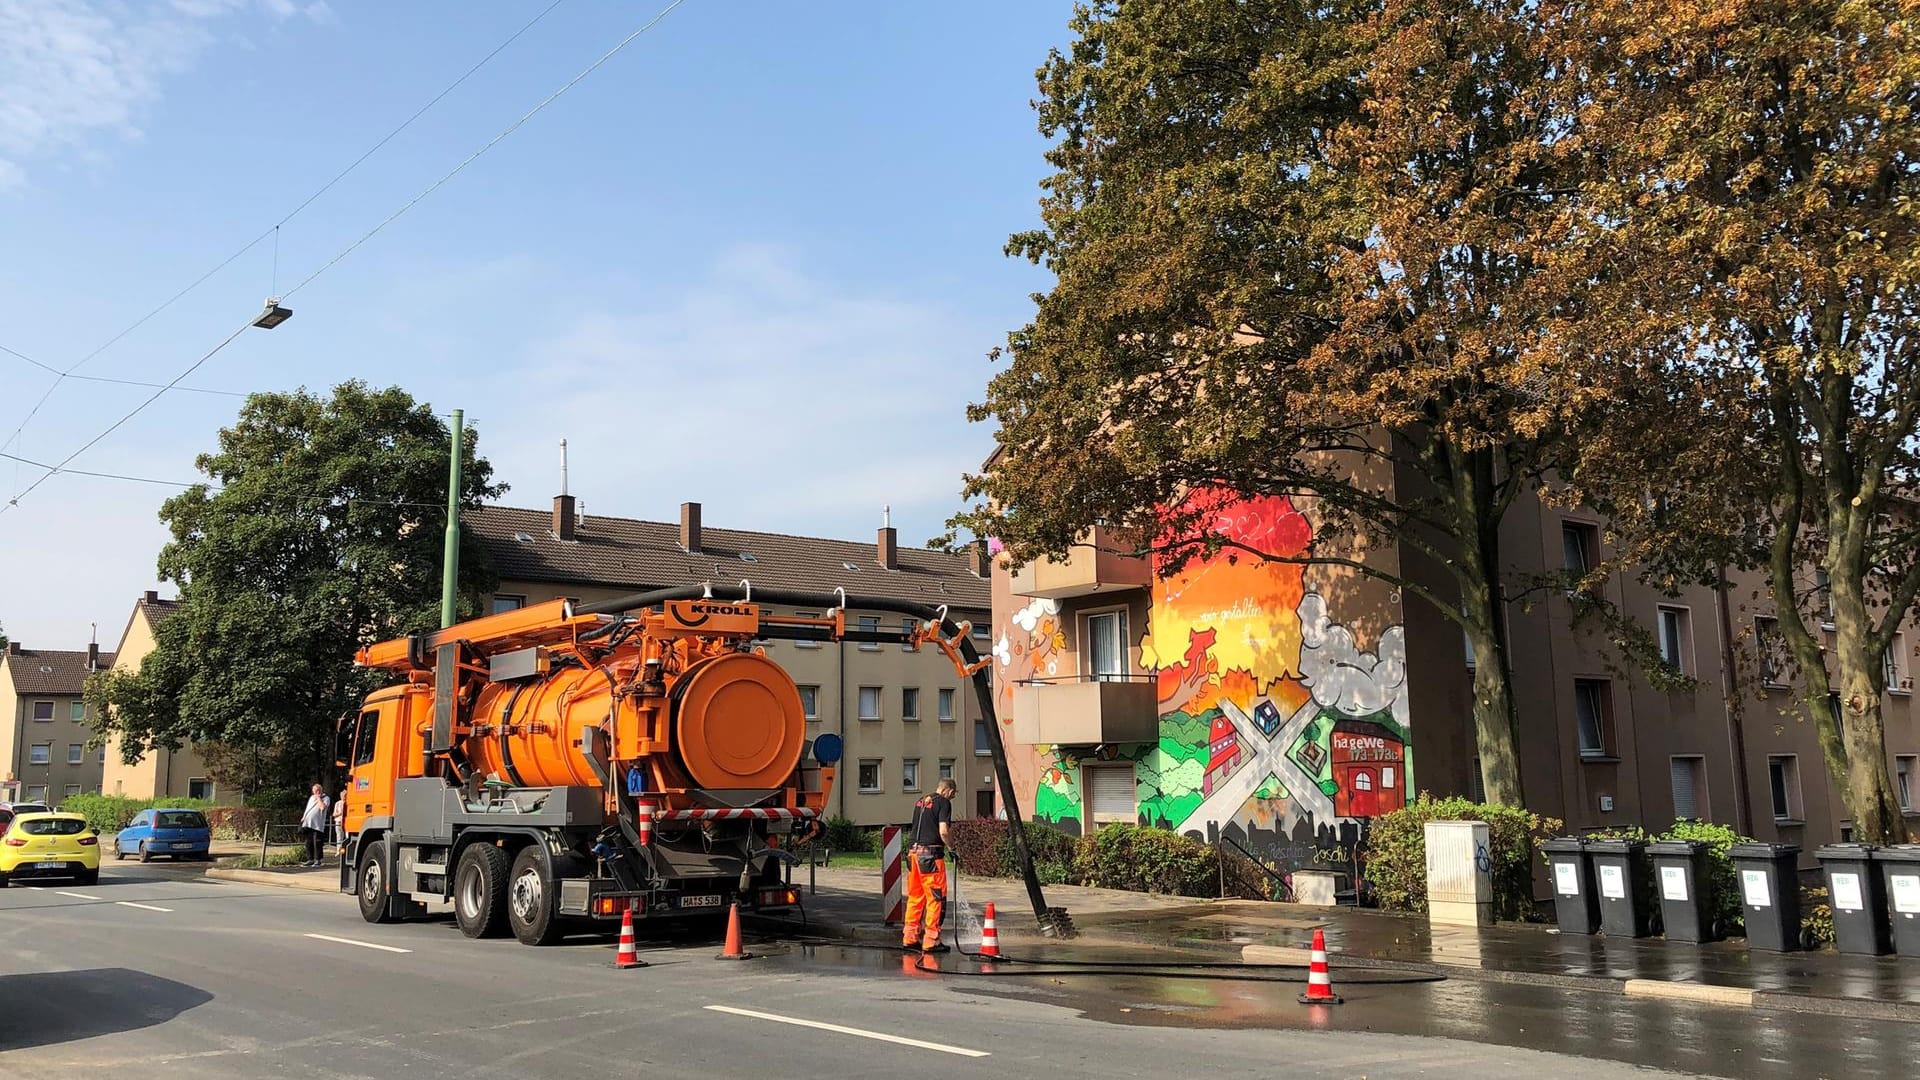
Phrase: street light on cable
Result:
[274,314]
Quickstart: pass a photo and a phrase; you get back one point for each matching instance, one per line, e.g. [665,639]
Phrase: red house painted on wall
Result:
[1369,769]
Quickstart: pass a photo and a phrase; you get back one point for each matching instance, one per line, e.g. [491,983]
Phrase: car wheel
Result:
[145,855]
[119,853]
[88,877]
[3,881]
[480,891]
[532,901]
[375,905]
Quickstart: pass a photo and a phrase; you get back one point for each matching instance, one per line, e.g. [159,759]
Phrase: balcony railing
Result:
[1085,710]
[1100,563]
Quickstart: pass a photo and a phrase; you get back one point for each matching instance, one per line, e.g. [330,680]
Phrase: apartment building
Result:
[160,773]
[907,717]
[44,723]
[1280,705]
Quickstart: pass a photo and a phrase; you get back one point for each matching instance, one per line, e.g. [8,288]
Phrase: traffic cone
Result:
[989,937]
[1319,985]
[628,956]
[734,950]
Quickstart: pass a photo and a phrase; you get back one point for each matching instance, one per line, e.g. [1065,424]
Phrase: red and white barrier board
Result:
[893,902]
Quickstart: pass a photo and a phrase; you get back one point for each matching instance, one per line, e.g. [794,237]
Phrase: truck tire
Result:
[370,883]
[532,901]
[480,891]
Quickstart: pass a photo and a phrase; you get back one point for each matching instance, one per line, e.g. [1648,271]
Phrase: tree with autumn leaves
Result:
[1413,261]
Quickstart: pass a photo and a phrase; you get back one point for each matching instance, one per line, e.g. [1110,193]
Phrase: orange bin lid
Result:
[739,723]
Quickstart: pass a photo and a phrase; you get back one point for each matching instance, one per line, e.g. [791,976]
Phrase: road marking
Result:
[875,1035]
[142,907]
[77,895]
[362,944]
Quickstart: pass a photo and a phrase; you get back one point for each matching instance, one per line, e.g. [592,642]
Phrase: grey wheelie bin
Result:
[1858,899]
[1574,905]
[1624,878]
[1770,893]
[1683,878]
[1900,874]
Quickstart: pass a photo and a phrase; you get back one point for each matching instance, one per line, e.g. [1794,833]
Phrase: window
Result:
[1823,596]
[76,753]
[1895,663]
[869,703]
[869,774]
[1903,768]
[43,710]
[1578,543]
[1772,649]
[946,768]
[71,791]
[1783,775]
[101,758]
[981,747]
[983,804]
[1689,788]
[1479,782]
[505,602]
[910,703]
[1466,639]
[810,702]
[1676,639]
[200,788]
[982,632]
[41,754]
[910,774]
[1592,706]
[363,739]
[946,706]
[37,793]
[77,711]
[807,644]
[870,624]
[1106,648]
[908,626]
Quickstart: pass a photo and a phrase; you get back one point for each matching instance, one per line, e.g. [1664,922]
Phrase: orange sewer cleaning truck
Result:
[557,764]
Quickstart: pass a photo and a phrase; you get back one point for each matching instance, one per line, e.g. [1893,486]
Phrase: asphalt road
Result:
[159,973]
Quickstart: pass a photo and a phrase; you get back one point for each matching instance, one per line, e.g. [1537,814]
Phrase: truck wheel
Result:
[372,884]
[480,891]
[532,901]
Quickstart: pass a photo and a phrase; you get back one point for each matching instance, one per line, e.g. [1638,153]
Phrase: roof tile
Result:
[52,671]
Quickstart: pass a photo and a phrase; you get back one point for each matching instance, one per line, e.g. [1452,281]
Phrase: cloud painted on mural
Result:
[1342,677]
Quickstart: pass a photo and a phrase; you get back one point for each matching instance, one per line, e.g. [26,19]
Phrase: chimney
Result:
[93,656]
[690,527]
[152,597]
[889,541]
[978,560]
[563,517]
[13,648]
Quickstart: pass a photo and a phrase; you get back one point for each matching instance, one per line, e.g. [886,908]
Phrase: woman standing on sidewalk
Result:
[313,825]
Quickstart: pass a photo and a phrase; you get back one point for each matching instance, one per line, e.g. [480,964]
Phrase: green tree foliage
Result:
[1396,852]
[319,531]
[1297,249]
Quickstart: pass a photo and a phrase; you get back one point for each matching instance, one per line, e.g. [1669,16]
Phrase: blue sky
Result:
[762,217]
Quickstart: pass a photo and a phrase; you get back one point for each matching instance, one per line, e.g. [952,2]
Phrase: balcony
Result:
[1085,710]
[1098,564]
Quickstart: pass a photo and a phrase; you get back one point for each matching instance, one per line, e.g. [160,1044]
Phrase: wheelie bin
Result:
[1683,878]
[1770,893]
[1858,899]
[1624,876]
[1574,904]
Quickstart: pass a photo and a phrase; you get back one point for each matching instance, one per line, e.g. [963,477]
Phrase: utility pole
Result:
[450,560]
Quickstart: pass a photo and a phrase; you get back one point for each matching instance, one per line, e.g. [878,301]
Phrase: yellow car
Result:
[49,845]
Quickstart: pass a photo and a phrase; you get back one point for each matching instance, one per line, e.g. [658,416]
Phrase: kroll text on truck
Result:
[553,765]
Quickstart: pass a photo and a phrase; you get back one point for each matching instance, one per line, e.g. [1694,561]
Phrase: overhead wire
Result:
[270,232]
[350,248]
[294,496]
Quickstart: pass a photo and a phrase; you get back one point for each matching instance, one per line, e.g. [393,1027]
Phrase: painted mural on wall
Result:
[1275,725]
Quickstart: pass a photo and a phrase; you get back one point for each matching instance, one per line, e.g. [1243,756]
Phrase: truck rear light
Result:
[614,905]
[779,897]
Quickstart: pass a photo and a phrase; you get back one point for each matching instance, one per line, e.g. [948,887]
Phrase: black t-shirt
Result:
[931,812]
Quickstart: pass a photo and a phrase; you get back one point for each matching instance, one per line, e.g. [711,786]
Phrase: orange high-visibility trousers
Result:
[926,900]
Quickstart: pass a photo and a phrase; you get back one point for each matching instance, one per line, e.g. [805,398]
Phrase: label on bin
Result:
[1673,883]
[1613,883]
[1906,894]
[1846,892]
[1566,879]
[1753,886]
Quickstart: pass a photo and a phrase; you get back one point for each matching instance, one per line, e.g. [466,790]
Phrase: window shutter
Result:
[1109,793]
[1686,803]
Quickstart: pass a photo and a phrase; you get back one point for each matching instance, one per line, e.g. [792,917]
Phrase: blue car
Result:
[182,834]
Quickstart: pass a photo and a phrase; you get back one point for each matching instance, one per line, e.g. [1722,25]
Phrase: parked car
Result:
[182,834]
[49,845]
[10,810]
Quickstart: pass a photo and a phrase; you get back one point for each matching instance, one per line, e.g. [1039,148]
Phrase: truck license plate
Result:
[712,900]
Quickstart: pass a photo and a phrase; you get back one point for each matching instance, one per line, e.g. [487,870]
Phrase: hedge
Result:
[1396,852]
[1135,857]
[111,813]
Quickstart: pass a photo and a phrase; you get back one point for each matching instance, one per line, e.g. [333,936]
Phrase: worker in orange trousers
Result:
[927,869]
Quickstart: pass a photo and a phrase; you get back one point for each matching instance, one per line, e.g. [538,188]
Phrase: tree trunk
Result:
[1495,727]
[1862,775]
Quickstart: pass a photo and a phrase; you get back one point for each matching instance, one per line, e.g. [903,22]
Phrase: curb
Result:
[1703,992]
[308,882]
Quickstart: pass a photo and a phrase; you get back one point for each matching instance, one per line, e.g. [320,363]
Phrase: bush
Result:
[1816,916]
[111,813]
[1723,881]
[236,822]
[1395,852]
[842,836]
[976,846]
[1147,859]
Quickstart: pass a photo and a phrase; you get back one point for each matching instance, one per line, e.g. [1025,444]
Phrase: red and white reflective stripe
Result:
[646,824]
[737,814]
[893,902]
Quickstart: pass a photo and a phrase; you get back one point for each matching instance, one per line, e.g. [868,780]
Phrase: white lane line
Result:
[76,895]
[142,907]
[877,1036]
[362,944]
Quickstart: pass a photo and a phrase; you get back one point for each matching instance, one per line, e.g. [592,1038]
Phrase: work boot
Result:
[936,947]
[909,946]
